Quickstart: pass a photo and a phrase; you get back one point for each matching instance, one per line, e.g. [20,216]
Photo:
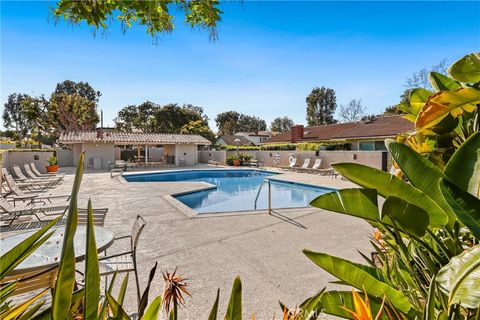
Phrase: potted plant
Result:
[53,164]
[236,162]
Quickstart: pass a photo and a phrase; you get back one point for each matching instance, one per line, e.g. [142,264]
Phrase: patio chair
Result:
[22,178]
[315,167]
[39,174]
[291,164]
[29,186]
[32,176]
[125,261]
[99,215]
[11,213]
[304,166]
[32,283]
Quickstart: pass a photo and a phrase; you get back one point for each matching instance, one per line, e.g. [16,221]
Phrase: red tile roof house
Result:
[103,148]
[362,135]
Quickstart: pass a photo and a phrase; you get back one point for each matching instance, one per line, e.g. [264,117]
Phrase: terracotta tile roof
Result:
[230,140]
[131,138]
[388,126]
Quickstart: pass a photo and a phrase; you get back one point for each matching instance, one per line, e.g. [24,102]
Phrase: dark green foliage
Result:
[321,105]
[231,122]
[281,124]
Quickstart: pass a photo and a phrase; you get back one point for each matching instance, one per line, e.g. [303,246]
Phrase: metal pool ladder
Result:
[269,197]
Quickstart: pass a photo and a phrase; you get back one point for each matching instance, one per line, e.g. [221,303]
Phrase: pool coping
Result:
[191,213]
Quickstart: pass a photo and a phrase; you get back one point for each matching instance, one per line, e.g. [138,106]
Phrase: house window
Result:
[366,146]
[380,145]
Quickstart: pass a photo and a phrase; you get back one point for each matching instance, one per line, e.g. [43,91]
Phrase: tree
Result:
[419,79]
[352,112]
[321,105]
[150,117]
[153,14]
[250,124]
[199,127]
[392,110]
[83,89]
[227,122]
[281,124]
[14,116]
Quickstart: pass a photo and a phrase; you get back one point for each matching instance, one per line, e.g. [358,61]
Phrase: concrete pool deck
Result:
[211,250]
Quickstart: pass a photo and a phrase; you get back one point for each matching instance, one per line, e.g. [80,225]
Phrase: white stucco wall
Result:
[104,151]
[187,151]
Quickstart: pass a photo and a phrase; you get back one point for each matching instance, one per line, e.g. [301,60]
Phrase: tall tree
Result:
[281,124]
[321,105]
[419,79]
[83,89]
[248,123]
[227,122]
[153,14]
[353,111]
[199,127]
[150,117]
[14,116]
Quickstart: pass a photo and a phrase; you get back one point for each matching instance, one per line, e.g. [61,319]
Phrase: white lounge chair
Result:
[22,178]
[315,167]
[31,175]
[30,186]
[39,174]
[291,164]
[304,166]
[8,212]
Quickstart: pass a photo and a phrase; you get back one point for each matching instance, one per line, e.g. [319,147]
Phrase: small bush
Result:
[128,155]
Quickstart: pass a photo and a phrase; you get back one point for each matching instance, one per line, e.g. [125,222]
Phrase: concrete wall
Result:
[218,156]
[369,158]
[65,158]
[104,151]
[118,153]
[39,158]
[187,151]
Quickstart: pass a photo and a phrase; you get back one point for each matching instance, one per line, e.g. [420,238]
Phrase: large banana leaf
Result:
[444,103]
[335,303]
[21,251]
[410,218]
[460,278]
[361,203]
[92,276]
[361,277]
[234,309]
[389,185]
[466,69]
[62,296]
[421,173]
[418,98]
[441,82]
[465,206]
[463,168]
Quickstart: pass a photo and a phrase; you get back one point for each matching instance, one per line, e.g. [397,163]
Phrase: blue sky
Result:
[268,57]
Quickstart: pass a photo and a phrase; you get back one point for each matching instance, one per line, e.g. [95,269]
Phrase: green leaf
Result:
[116,308]
[334,302]
[418,98]
[311,307]
[460,278]
[18,309]
[389,185]
[123,290]
[214,311]
[360,277]
[429,313]
[411,219]
[361,203]
[463,168]
[21,251]
[144,299]
[92,276]
[465,206]
[466,69]
[62,296]
[421,173]
[153,309]
[441,82]
[234,309]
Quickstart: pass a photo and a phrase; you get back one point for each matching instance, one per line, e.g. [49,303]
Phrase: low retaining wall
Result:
[14,158]
[375,159]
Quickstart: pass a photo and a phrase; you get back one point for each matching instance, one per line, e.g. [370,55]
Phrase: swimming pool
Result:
[236,190]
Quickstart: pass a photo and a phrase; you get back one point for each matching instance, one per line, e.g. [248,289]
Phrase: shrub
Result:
[128,155]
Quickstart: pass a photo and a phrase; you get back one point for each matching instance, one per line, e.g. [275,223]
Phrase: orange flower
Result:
[377,235]
[362,307]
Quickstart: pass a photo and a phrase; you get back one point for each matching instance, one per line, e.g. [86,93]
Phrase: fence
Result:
[376,159]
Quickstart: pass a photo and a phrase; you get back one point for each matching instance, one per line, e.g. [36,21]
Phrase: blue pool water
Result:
[236,190]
